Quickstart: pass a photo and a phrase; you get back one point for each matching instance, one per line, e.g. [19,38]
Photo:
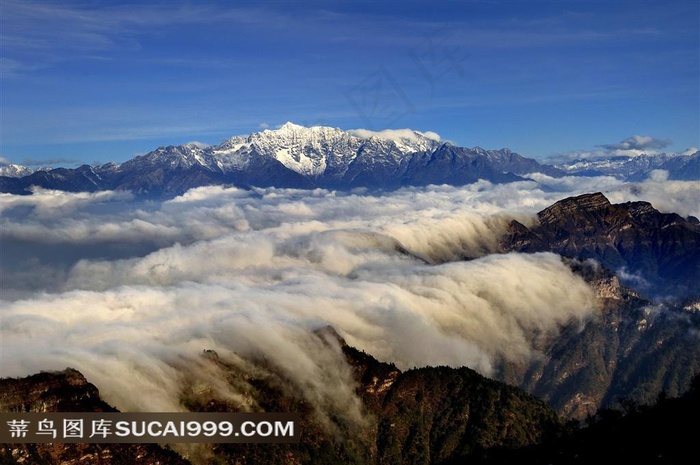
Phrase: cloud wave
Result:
[131,292]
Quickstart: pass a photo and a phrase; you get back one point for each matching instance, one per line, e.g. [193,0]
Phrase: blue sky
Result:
[91,82]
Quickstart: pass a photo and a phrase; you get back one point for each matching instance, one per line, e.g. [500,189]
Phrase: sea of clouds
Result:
[130,292]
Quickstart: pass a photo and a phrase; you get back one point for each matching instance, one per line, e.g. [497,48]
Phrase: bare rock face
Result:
[609,288]
[658,254]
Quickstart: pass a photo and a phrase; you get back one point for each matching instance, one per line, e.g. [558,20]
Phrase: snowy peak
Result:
[307,151]
[322,150]
[683,166]
[181,156]
[298,157]
[14,171]
[322,137]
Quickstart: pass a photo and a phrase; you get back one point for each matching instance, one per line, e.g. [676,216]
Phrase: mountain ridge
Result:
[320,156]
[644,266]
[657,253]
[420,416]
[681,167]
[292,156]
[633,347]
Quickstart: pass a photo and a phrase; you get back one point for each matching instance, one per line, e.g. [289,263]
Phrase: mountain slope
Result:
[635,347]
[632,349]
[422,416]
[655,434]
[15,171]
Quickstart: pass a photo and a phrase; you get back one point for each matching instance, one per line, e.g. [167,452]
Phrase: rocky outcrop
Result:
[656,253]
[69,391]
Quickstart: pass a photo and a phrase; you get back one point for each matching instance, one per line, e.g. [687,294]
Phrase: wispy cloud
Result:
[38,34]
[637,143]
[49,161]
[632,146]
[395,134]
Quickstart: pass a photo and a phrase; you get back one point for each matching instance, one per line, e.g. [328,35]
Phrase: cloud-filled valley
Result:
[131,292]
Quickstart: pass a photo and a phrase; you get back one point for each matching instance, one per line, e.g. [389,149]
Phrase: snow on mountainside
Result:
[309,157]
[308,151]
[183,156]
[299,157]
[622,166]
[311,152]
[15,171]
[316,150]
[636,168]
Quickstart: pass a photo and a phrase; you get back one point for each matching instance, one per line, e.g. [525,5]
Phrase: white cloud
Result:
[638,144]
[658,175]
[51,203]
[666,196]
[633,146]
[201,145]
[251,274]
[576,183]
[395,134]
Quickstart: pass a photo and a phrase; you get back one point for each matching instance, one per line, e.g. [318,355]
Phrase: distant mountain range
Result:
[300,157]
[637,168]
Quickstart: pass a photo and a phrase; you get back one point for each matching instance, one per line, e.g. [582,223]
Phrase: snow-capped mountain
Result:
[296,156]
[15,171]
[637,168]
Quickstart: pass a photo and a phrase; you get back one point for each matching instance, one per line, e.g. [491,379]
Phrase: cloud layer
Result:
[131,293]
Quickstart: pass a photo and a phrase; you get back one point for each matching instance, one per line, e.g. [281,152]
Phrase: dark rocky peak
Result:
[650,218]
[638,208]
[595,209]
[587,204]
[658,254]
[62,391]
